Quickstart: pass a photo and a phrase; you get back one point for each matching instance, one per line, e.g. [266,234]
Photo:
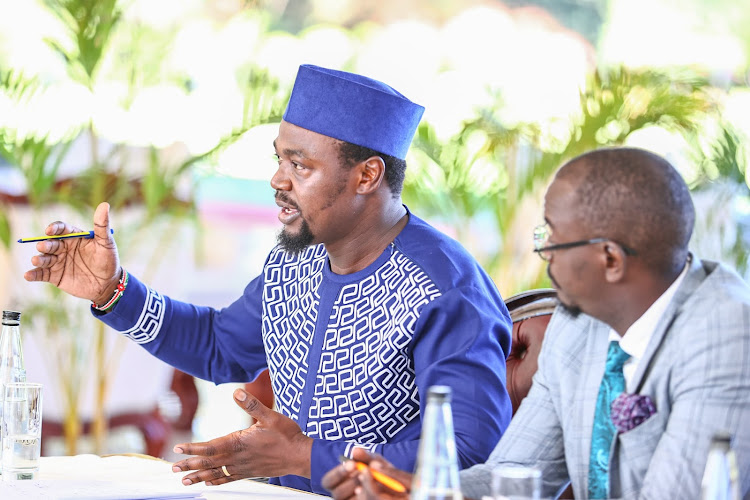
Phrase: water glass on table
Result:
[516,483]
[21,430]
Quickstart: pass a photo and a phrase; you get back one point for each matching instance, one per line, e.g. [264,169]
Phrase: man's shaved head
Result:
[636,198]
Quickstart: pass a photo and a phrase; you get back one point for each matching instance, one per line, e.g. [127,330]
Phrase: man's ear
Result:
[616,262]
[371,174]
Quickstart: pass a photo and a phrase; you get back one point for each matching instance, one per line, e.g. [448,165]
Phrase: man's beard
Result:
[290,243]
[572,311]
[296,243]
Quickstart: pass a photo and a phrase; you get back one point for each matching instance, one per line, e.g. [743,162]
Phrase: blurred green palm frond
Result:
[18,87]
[264,100]
[618,101]
[723,156]
[38,159]
[497,172]
[89,25]
[138,53]
[721,162]
[451,177]
[36,155]
[4,226]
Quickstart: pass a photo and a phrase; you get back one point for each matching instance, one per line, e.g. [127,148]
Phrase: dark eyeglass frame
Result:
[543,251]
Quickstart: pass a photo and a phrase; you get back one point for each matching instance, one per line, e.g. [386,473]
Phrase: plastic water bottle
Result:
[436,477]
[721,477]
[11,360]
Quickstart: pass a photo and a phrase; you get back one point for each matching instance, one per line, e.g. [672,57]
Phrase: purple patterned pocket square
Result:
[631,410]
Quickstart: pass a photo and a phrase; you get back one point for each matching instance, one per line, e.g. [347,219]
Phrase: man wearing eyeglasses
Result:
[646,358]
[358,310]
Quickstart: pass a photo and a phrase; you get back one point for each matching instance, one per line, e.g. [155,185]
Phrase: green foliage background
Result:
[484,184]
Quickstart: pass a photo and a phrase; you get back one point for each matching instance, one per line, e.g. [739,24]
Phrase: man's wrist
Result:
[304,445]
[112,292]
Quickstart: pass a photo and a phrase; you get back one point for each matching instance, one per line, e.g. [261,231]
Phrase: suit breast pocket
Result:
[637,446]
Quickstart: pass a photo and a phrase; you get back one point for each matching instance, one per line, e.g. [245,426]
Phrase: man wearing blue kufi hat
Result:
[359,309]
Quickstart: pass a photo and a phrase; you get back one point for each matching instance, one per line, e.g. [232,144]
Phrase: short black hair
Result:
[395,168]
[638,199]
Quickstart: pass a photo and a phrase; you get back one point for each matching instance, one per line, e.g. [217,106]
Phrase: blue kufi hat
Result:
[353,108]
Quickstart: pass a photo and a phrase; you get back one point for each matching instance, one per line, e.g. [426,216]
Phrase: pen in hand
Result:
[377,475]
[83,234]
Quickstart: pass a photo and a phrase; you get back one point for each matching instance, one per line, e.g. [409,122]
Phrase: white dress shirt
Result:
[636,338]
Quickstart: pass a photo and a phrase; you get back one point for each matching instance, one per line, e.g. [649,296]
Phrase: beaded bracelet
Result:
[118,293]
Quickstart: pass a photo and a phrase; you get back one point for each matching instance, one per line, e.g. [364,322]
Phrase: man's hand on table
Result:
[273,446]
[346,482]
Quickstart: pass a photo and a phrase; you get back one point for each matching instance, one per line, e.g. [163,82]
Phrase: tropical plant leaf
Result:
[722,156]
[445,177]
[38,159]
[89,25]
[264,101]
[4,227]
[17,87]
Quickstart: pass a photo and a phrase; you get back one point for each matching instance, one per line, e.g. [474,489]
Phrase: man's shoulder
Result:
[571,331]
[420,228]
[712,286]
[442,257]
[710,314]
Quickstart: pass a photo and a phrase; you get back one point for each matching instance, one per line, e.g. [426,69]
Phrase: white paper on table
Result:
[91,490]
[91,477]
[119,477]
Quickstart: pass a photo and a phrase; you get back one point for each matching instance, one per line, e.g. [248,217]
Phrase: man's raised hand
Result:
[86,268]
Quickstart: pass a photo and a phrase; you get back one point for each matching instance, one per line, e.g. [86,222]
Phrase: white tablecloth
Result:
[118,477]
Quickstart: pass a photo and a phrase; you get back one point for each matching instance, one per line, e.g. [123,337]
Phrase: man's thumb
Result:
[251,405]
[101,221]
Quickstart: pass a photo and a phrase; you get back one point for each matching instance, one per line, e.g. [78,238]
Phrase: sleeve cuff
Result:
[139,314]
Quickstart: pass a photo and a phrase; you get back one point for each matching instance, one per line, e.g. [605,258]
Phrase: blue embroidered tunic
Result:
[350,356]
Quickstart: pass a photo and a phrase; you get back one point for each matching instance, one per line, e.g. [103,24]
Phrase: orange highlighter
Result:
[377,475]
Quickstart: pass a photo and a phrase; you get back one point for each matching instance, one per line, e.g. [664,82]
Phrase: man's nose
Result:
[280,181]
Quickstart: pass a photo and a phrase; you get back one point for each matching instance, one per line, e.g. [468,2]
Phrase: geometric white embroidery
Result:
[290,306]
[365,389]
[149,323]
[365,386]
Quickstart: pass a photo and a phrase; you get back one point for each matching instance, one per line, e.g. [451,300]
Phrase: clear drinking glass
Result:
[22,430]
[516,483]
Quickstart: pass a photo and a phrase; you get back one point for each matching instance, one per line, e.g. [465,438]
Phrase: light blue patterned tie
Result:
[613,384]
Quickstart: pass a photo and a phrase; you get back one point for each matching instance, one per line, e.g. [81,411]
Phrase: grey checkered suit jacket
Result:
[696,369]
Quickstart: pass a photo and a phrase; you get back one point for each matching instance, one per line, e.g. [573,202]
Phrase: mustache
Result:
[284,198]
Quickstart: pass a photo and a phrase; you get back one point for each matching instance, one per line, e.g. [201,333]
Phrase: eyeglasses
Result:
[542,233]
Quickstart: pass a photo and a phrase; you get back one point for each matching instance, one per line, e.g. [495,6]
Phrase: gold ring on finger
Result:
[224,469]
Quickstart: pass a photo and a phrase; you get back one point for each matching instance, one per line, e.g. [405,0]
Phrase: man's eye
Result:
[297,166]
[277,158]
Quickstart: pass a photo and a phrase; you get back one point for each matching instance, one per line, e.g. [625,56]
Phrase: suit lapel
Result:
[695,276]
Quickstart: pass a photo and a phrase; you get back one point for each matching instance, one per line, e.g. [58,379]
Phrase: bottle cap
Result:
[721,437]
[11,317]
[440,393]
